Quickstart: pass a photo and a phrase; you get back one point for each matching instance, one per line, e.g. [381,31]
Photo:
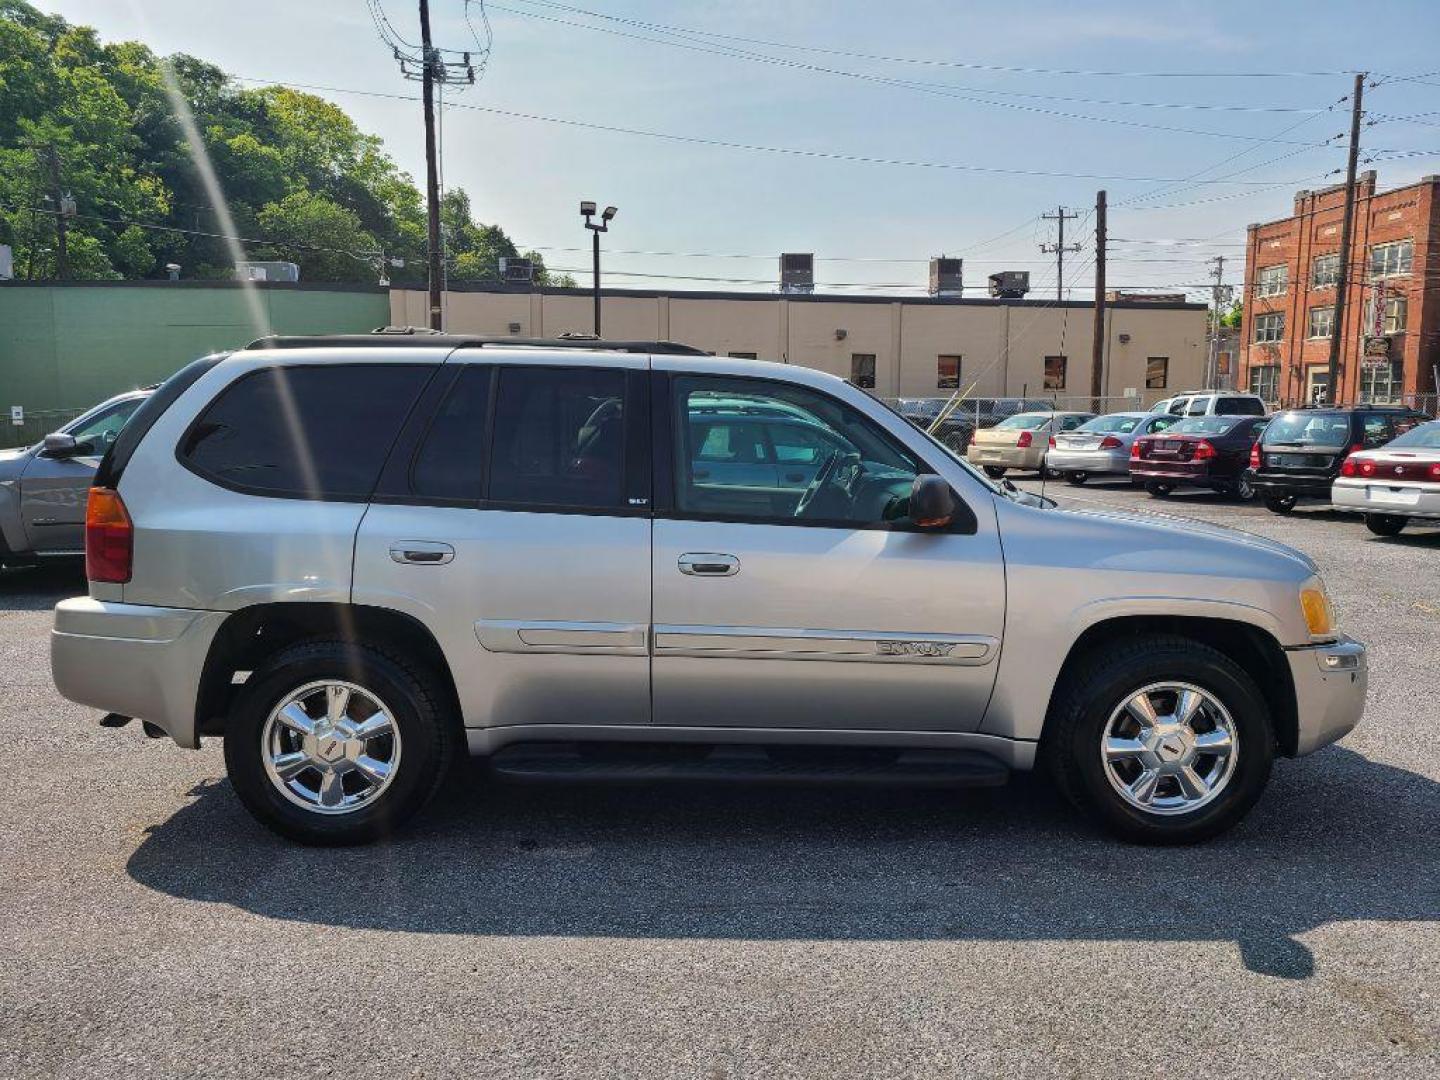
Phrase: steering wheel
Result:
[822,477]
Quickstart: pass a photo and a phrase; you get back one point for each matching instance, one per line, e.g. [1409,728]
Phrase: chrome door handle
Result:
[422,552]
[705,564]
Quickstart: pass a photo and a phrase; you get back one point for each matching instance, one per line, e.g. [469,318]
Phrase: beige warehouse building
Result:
[898,346]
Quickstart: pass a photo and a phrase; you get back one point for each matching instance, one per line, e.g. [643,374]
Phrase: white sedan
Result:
[1394,483]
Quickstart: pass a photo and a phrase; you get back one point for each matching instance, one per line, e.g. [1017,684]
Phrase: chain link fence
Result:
[37,423]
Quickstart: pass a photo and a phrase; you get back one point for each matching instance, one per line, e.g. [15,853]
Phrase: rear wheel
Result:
[1244,490]
[1164,740]
[995,472]
[1158,490]
[333,742]
[1385,524]
[1077,477]
[1280,504]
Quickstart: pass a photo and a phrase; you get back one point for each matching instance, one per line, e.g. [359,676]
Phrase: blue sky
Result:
[869,224]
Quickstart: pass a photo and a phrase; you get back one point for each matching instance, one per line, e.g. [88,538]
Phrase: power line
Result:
[863,159]
[966,65]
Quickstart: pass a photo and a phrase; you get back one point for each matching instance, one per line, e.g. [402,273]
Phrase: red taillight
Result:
[1349,467]
[109,537]
[1052,442]
[1255,456]
[1203,451]
[1025,439]
[1435,471]
[1367,468]
[1135,449]
[1110,442]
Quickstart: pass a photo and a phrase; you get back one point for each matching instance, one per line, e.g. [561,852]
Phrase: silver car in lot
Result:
[353,558]
[1020,441]
[1395,483]
[1101,447]
[43,487]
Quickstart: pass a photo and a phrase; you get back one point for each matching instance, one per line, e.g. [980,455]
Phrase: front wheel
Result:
[1158,490]
[1280,504]
[1386,524]
[1163,740]
[995,472]
[336,743]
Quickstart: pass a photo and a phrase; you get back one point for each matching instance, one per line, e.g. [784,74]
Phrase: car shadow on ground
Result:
[1336,838]
[38,588]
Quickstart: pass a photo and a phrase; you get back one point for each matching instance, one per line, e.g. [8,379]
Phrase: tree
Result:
[324,238]
[1232,317]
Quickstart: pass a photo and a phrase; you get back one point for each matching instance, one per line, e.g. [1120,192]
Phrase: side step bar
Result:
[910,768]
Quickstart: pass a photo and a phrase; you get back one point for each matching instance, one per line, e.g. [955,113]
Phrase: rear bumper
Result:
[1330,683]
[1090,461]
[1007,457]
[138,661]
[1277,483]
[1369,497]
[1178,475]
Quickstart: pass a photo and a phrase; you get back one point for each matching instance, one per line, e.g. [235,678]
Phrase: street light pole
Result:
[587,211]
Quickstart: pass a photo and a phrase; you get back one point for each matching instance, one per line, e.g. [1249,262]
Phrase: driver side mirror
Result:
[59,445]
[932,502]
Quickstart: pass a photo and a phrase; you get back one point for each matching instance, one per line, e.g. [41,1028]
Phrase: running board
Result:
[909,768]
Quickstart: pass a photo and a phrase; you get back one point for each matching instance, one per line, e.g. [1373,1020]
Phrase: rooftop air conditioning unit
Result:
[1010,284]
[945,276]
[267,270]
[517,271]
[797,273]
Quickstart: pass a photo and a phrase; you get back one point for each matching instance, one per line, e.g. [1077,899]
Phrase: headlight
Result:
[1319,612]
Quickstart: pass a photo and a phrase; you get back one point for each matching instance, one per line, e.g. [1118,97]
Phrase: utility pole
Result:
[428,68]
[1343,281]
[1058,248]
[1212,361]
[64,207]
[1097,347]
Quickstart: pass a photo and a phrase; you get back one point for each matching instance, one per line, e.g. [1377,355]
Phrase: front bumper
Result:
[1089,461]
[1330,683]
[1006,457]
[138,661]
[1371,497]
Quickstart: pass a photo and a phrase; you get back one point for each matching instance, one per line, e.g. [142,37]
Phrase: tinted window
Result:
[450,462]
[1377,430]
[1239,406]
[311,432]
[559,438]
[818,460]
[1309,429]
[1199,406]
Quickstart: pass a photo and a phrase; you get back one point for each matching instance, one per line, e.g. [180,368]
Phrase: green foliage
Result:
[1232,317]
[302,182]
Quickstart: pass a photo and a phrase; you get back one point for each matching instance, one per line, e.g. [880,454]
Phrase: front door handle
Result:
[422,552]
[707,564]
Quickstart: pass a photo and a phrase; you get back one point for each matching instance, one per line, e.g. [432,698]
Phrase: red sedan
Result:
[1202,451]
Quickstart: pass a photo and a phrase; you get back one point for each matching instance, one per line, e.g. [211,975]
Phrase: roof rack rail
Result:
[418,337]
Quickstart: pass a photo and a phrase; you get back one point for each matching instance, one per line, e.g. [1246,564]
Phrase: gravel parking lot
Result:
[151,928]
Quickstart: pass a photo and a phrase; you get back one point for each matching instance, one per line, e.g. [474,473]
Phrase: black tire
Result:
[1280,504]
[1243,490]
[995,472]
[1386,524]
[414,695]
[1157,490]
[1077,477]
[1110,676]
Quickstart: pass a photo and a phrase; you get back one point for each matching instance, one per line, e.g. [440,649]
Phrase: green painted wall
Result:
[64,348]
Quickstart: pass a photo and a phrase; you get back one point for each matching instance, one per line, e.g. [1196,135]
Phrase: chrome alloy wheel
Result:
[1169,748]
[330,747]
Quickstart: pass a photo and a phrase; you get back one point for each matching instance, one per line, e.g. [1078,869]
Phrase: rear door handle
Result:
[422,552]
[707,564]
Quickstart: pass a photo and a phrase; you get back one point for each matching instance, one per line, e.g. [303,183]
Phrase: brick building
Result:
[1291,267]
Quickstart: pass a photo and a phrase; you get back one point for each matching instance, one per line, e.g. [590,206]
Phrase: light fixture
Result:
[841,335]
[609,213]
[587,208]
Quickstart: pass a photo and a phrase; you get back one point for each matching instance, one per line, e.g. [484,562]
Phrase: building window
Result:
[1322,322]
[1387,260]
[743,355]
[1325,270]
[1265,382]
[1381,384]
[862,370]
[947,372]
[1270,327]
[1270,281]
[1157,372]
[1054,373]
[1396,312]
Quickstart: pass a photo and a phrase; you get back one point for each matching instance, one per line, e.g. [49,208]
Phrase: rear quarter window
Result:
[1239,406]
[309,432]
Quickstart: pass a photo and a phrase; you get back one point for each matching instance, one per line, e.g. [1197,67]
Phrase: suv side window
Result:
[1177,407]
[863,476]
[320,431]
[1199,406]
[559,438]
[1376,430]
[1239,406]
[450,463]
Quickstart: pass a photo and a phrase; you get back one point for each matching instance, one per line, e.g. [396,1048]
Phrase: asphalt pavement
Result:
[148,927]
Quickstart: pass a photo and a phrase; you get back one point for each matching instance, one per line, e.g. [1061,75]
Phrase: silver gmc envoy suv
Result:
[354,557]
